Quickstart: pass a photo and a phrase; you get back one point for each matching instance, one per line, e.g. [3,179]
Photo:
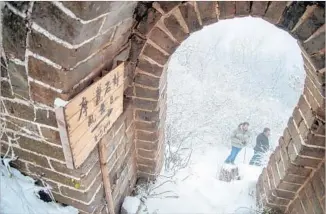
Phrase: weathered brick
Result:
[61,25]
[172,24]
[41,148]
[321,172]
[82,196]
[147,145]
[18,78]
[289,186]
[207,11]
[22,126]
[147,93]
[167,6]
[6,89]
[242,8]
[305,202]
[227,9]
[137,45]
[148,136]
[14,33]
[91,10]
[155,54]
[20,110]
[149,20]
[258,8]
[275,11]
[146,153]
[147,126]
[67,58]
[51,135]
[125,11]
[147,80]
[318,186]
[285,194]
[296,115]
[43,95]
[21,6]
[312,19]
[316,43]
[160,38]
[46,117]
[294,179]
[145,104]
[313,199]
[146,115]
[3,70]
[318,59]
[26,156]
[20,165]
[98,200]
[190,16]
[291,15]
[150,68]
[49,174]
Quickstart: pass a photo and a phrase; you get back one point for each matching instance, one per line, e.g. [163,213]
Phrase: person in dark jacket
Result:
[262,146]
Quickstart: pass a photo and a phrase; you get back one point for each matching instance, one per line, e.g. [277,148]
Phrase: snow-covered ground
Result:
[233,71]
[19,195]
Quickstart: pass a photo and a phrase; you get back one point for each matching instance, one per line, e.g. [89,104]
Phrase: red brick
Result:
[147,115]
[172,24]
[227,9]
[242,8]
[20,110]
[189,15]
[155,54]
[160,38]
[150,68]
[258,8]
[149,20]
[207,11]
[275,11]
[41,148]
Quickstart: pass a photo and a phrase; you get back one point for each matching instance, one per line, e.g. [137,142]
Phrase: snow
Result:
[243,69]
[131,205]
[19,195]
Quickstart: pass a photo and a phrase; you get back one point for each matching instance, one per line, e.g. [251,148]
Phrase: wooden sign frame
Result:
[86,118]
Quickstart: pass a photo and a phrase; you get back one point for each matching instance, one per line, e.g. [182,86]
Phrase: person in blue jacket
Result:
[239,139]
[262,146]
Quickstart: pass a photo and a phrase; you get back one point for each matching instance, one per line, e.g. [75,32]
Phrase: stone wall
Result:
[56,49]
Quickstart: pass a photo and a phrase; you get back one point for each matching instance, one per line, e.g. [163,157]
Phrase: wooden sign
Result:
[87,117]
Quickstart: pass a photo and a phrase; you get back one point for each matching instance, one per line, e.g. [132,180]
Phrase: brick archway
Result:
[296,168]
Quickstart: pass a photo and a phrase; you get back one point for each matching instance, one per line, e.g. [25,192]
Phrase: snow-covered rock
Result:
[229,172]
[19,194]
[130,205]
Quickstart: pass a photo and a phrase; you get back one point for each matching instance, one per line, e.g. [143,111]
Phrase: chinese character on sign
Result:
[107,87]
[102,109]
[83,107]
[90,120]
[98,94]
[116,80]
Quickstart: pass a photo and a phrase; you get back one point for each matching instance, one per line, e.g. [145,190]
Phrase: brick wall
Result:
[56,49]
[162,26]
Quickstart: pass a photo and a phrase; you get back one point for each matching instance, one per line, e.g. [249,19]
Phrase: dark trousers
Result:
[256,159]
[234,152]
